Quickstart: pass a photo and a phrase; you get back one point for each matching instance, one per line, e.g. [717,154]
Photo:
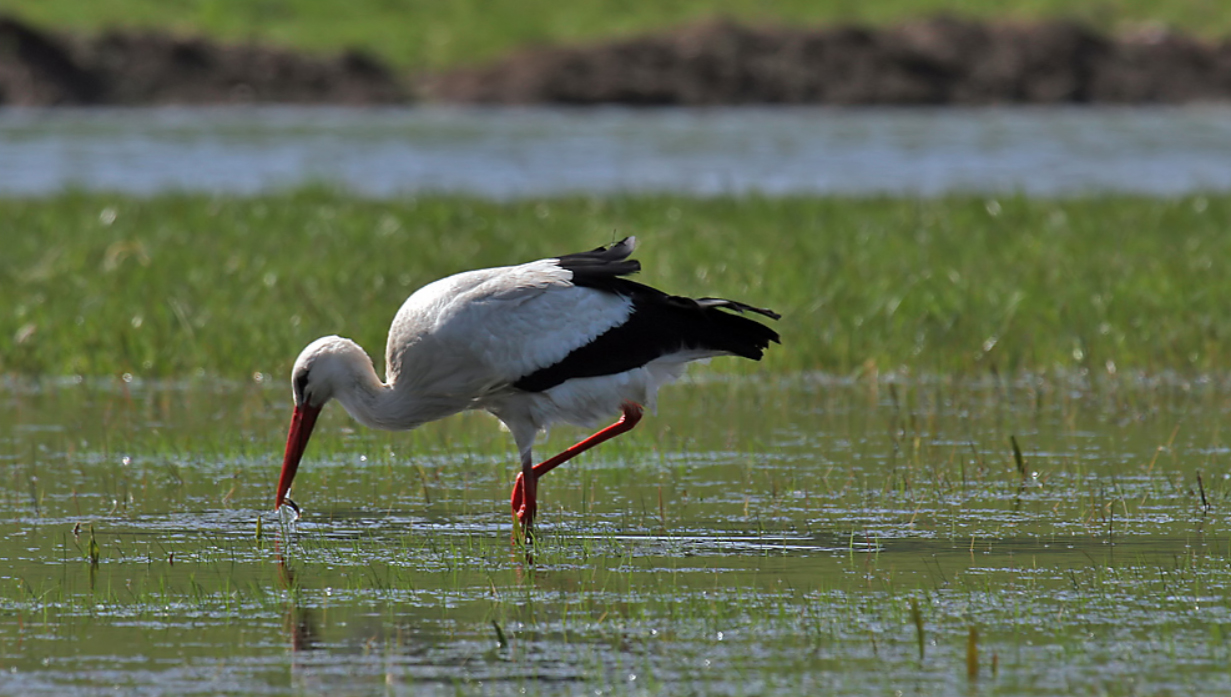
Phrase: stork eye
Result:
[300,385]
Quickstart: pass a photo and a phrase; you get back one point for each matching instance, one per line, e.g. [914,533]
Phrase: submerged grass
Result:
[421,34]
[781,536]
[434,615]
[227,286]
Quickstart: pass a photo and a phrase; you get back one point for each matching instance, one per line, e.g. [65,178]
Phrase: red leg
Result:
[524,497]
[525,491]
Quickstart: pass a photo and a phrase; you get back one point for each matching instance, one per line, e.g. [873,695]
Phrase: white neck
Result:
[343,371]
[370,401]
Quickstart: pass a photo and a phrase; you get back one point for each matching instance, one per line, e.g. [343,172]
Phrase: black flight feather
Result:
[658,325]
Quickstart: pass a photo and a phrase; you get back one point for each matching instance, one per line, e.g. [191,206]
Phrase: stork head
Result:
[322,367]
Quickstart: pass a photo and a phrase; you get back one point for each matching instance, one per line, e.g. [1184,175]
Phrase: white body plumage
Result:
[461,342]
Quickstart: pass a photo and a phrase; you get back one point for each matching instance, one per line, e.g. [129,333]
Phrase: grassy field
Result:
[189,284]
[420,34]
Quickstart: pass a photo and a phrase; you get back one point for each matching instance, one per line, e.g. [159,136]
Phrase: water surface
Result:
[766,536]
[539,152]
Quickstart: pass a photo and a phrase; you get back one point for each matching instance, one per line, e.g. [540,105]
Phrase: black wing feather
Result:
[597,267]
[659,325]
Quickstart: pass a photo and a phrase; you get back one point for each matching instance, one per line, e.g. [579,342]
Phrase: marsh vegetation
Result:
[987,457]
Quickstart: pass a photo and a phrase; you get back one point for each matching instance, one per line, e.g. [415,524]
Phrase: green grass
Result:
[419,34]
[188,284]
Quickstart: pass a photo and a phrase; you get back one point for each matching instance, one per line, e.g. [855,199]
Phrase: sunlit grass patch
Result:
[197,285]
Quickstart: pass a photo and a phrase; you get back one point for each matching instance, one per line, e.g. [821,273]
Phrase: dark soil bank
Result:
[39,68]
[938,61]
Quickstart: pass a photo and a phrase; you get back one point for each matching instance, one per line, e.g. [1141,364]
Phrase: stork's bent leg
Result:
[632,415]
[524,501]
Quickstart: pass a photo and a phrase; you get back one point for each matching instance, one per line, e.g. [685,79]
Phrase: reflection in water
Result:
[301,627]
[537,152]
[301,624]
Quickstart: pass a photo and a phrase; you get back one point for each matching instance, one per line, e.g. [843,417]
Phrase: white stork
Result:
[566,339]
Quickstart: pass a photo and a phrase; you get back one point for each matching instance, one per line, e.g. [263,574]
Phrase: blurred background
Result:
[486,98]
[112,110]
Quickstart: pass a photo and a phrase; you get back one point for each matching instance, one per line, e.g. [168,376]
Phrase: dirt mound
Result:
[128,68]
[938,61]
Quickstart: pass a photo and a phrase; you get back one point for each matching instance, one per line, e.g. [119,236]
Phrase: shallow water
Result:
[539,152]
[757,536]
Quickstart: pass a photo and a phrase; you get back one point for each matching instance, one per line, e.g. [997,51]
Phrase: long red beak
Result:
[302,422]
